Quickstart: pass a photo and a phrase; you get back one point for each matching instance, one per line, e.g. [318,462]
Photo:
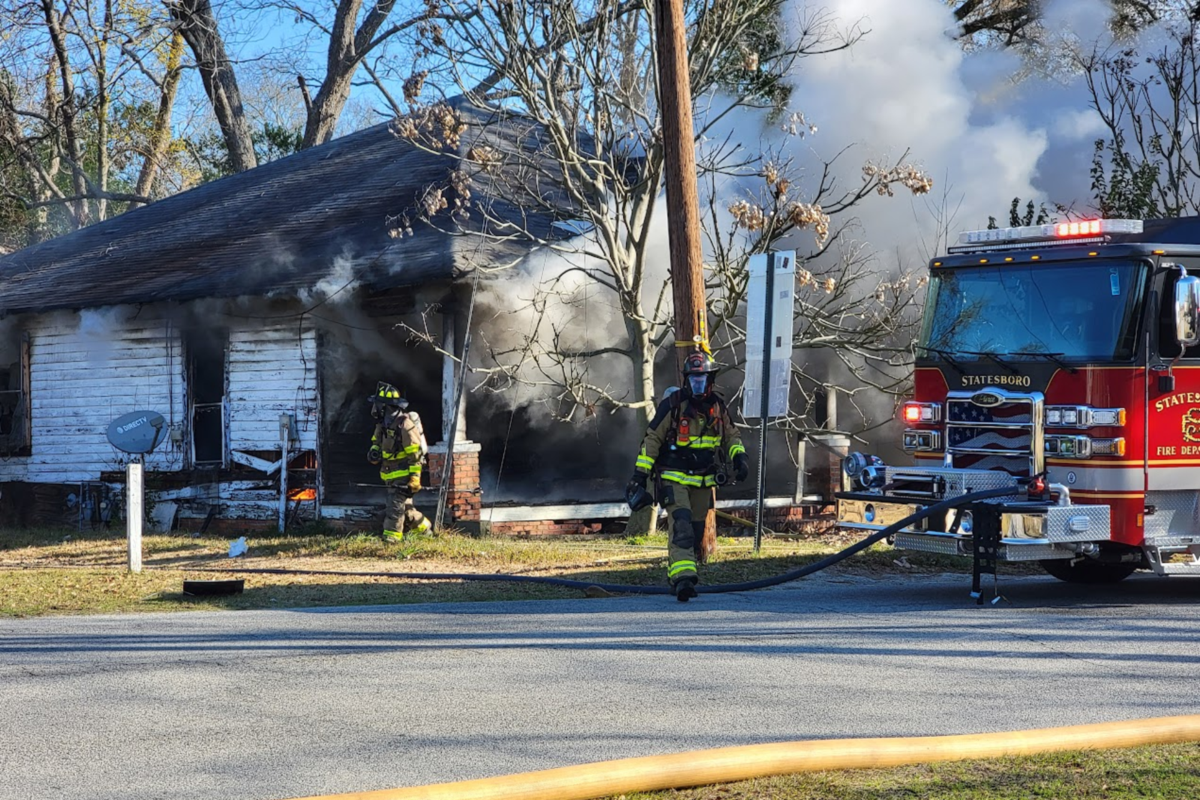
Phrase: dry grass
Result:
[1165,772]
[59,572]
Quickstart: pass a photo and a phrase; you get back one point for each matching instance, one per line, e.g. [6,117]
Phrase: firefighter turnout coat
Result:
[689,441]
[399,441]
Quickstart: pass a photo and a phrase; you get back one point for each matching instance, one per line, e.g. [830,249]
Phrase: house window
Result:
[206,357]
[15,407]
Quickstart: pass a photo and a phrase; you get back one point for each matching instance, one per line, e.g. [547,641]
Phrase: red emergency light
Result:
[912,412]
[1083,227]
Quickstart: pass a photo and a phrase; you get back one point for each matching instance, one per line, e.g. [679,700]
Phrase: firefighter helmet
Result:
[387,395]
[698,371]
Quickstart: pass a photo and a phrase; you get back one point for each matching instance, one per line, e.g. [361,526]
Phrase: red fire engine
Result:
[1063,359]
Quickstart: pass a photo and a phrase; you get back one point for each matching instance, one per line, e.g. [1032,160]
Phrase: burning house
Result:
[256,314]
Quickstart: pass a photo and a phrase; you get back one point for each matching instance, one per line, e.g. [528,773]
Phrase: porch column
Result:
[463,490]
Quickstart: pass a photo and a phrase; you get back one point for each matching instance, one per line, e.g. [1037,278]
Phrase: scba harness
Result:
[691,457]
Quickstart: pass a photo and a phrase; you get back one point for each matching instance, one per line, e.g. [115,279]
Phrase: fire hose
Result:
[786,577]
[728,764]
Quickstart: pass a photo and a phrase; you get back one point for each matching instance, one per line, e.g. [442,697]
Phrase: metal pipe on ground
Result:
[728,764]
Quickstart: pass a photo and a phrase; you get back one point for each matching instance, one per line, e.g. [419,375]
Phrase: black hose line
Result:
[800,572]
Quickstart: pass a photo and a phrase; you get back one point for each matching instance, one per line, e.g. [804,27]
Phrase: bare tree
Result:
[67,72]
[855,319]
[1148,165]
[198,24]
[599,164]
[1018,23]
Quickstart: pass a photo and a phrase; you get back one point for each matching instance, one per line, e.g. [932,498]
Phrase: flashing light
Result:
[1087,227]
[1052,232]
[926,413]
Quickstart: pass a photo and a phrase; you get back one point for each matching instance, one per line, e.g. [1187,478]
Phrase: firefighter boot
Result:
[685,590]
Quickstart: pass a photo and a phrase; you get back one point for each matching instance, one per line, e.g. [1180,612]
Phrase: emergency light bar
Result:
[1057,231]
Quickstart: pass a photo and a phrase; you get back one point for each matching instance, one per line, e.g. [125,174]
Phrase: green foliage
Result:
[1124,189]
[1033,215]
[271,143]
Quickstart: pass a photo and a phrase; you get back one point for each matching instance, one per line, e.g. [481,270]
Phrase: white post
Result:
[133,522]
[285,431]
[448,373]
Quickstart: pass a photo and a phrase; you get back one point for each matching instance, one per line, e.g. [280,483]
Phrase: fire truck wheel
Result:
[1086,570]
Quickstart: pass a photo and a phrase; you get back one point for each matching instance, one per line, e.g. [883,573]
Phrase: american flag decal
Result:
[990,437]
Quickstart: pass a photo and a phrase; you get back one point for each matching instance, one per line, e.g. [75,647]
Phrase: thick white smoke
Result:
[907,86]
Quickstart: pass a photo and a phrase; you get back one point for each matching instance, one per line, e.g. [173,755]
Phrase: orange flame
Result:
[302,494]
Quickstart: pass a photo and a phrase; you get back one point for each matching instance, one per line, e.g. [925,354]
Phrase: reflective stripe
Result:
[411,449]
[645,463]
[397,535]
[735,448]
[400,473]
[681,566]
[695,481]
[683,479]
[424,526]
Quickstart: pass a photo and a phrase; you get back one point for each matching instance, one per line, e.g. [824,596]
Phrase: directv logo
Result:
[137,423]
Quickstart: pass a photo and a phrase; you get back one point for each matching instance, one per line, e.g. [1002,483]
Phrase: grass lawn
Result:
[1164,772]
[68,572]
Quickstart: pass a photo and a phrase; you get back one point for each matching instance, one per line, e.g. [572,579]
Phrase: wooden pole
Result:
[683,204]
[679,156]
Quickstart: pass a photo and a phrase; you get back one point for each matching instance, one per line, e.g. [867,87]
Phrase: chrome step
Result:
[1158,552]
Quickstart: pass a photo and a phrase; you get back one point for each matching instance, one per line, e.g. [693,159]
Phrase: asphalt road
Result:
[278,704]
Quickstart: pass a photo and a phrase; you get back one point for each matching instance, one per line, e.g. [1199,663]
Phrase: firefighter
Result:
[690,448]
[396,446]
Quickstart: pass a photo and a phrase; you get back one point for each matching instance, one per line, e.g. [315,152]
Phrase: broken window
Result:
[15,407]
[206,359]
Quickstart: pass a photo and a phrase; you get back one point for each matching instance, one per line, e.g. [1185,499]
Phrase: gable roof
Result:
[283,227]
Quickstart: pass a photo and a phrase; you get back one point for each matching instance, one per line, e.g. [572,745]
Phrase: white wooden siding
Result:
[272,370]
[87,370]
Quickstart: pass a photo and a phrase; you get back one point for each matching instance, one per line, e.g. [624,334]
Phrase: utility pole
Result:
[683,203]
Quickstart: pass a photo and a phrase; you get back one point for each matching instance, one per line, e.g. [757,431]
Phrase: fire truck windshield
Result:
[1069,310]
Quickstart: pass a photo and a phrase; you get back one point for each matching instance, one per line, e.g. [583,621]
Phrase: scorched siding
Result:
[272,371]
[87,370]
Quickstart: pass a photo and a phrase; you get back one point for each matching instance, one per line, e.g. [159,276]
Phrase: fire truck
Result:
[1062,360]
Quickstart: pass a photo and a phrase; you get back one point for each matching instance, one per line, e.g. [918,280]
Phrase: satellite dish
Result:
[138,431]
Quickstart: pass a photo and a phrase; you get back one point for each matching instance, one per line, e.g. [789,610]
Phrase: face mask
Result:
[698,384]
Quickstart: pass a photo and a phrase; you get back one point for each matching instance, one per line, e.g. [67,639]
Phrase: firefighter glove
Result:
[414,483]
[374,455]
[635,493]
[741,467]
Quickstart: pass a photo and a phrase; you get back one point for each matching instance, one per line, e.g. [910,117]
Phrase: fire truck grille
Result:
[964,411]
[998,437]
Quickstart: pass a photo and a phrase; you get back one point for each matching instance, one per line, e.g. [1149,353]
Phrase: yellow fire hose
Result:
[727,764]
